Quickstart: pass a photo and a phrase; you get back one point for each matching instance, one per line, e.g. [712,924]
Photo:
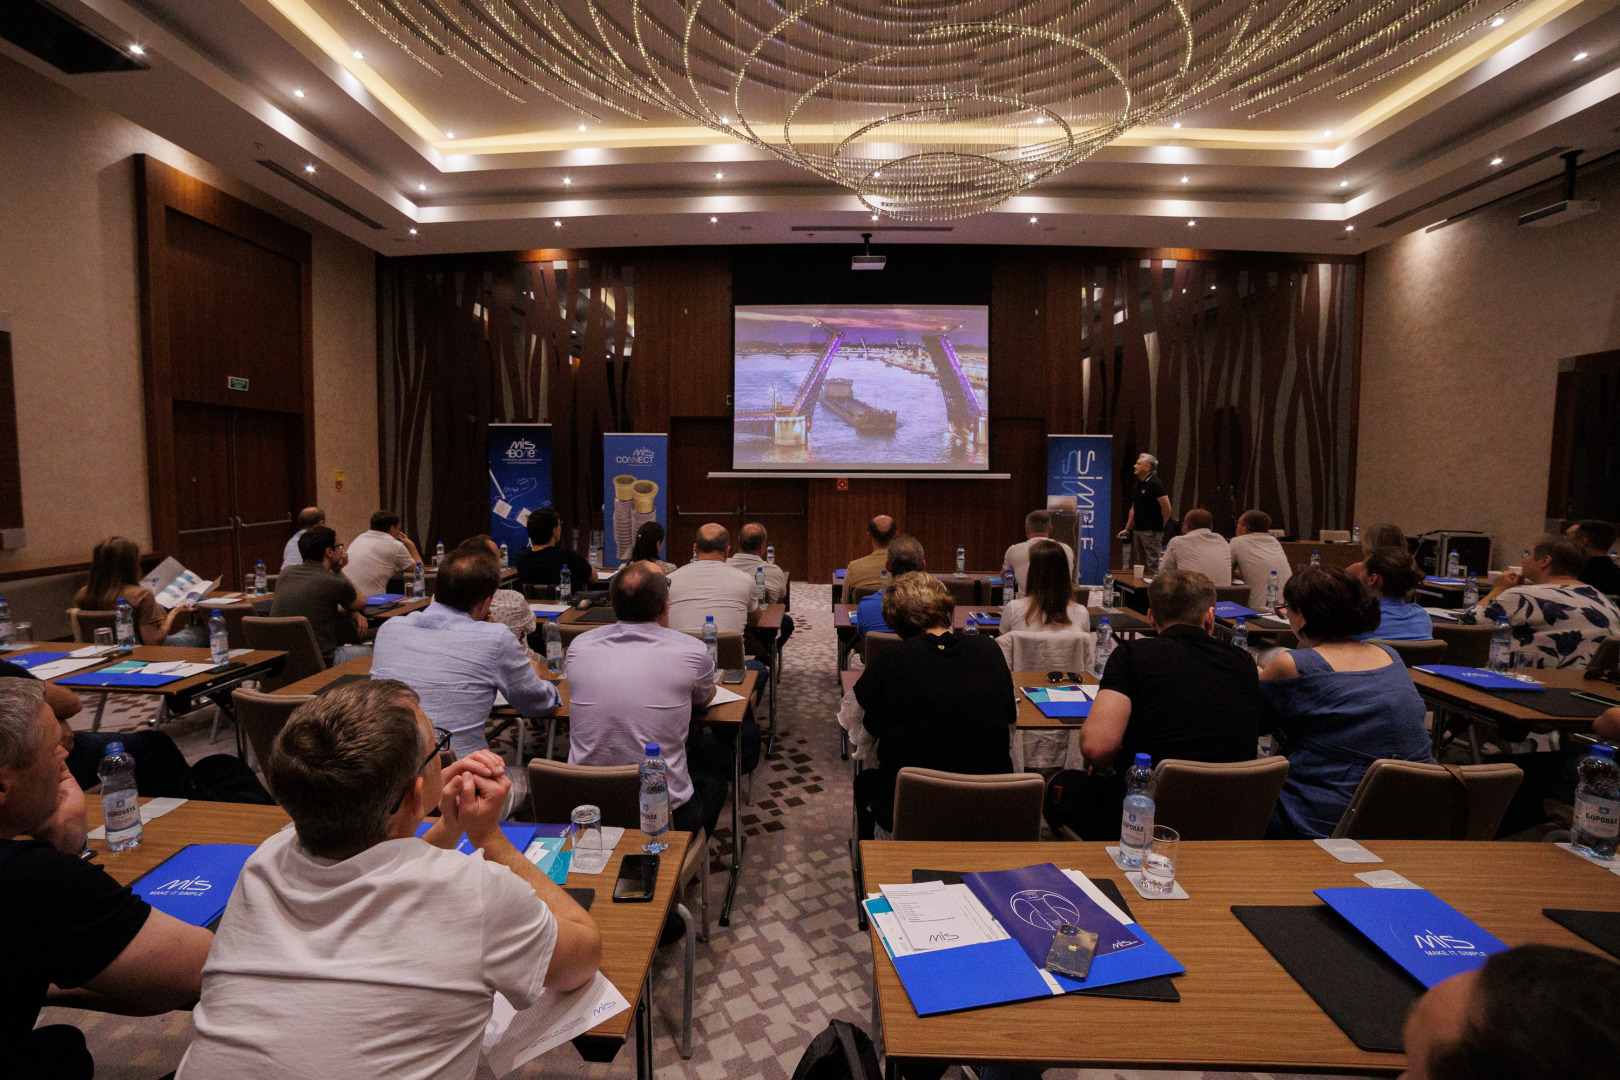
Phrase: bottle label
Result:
[121,810]
[654,813]
[1597,817]
[1134,828]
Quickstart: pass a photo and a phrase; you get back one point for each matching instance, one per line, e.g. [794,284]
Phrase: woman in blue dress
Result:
[1341,704]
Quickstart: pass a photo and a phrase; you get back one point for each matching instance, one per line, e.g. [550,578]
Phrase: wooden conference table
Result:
[730,714]
[1451,699]
[629,931]
[1239,1010]
[989,583]
[1123,622]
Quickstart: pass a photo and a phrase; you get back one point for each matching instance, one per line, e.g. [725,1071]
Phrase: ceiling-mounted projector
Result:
[1569,208]
[868,261]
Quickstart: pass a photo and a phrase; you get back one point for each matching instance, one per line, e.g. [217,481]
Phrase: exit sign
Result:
[235,383]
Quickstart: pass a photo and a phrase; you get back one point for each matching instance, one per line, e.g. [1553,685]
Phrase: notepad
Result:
[512,1037]
[1473,676]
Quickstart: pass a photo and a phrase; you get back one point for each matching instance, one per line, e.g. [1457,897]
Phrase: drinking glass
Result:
[22,633]
[104,636]
[1159,864]
[585,840]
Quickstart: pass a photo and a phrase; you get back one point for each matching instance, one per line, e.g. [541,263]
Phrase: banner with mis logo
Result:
[635,470]
[519,480]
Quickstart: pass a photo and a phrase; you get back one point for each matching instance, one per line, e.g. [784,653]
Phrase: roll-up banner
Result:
[519,480]
[1079,477]
[635,468]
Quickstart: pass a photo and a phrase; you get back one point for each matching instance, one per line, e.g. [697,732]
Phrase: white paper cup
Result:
[1139,569]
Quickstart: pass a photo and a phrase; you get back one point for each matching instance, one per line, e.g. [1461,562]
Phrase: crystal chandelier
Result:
[926,109]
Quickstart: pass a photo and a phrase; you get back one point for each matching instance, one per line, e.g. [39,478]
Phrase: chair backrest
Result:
[234,614]
[856,593]
[292,636]
[556,787]
[1467,646]
[964,590]
[1334,536]
[731,648]
[934,805]
[263,716]
[1027,650]
[1229,800]
[270,581]
[1236,594]
[86,622]
[874,643]
[1409,800]
[540,592]
[1413,653]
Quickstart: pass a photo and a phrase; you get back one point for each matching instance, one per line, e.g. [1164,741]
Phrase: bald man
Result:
[1201,549]
[865,571]
[708,586]
[308,518]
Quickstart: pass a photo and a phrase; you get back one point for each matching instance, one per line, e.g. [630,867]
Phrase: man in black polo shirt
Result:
[542,564]
[1150,509]
[73,936]
[1181,694]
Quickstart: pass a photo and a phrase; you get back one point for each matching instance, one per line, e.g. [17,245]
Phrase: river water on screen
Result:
[922,431]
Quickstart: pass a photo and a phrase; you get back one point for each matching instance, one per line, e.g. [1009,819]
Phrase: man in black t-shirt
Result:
[542,564]
[1181,694]
[73,936]
[1150,509]
[1596,540]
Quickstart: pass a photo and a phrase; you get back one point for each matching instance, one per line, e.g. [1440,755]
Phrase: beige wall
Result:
[1462,334]
[68,281]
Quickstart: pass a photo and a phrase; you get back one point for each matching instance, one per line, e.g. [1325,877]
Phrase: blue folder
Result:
[1473,676]
[383,599]
[195,883]
[1053,709]
[519,832]
[1229,609]
[1443,580]
[34,659]
[838,573]
[1422,933]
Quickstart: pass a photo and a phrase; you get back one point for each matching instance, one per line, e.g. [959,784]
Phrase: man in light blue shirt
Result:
[456,660]
[308,518]
[905,555]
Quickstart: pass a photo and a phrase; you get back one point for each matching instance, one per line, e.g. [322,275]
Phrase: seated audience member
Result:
[1037,527]
[542,563]
[1200,549]
[866,571]
[1385,535]
[749,559]
[317,589]
[75,937]
[1341,704]
[115,574]
[1557,621]
[707,586]
[1256,553]
[456,659]
[650,546]
[635,682]
[937,700]
[378,554]
[308,518]
[905,556]
[508,607]
[1537,1012]
[1179,694]
[1047,604]
[1596,540]
[351,947]
[1391,573]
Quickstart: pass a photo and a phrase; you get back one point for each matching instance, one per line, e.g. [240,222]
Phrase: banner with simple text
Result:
[1080,468]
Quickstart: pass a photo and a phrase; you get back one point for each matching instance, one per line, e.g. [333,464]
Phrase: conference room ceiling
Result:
[269,89]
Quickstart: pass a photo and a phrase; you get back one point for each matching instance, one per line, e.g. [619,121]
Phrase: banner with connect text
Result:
[635,468]
[1079,476]
[519,480]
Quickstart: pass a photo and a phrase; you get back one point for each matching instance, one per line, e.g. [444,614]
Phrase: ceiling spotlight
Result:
[582,127]
[713,220]
[1176,125]
[725,120]
[1349,228]
[719,176]
[1578,57]
[1498,21]
[874,217]
[138,50]
[1184,179]
[568,180]
[1040,119]
[413,232]
[358,55]
[558,224]
[1496,161]
[1327,134]
[1344,183]
[1190,224]
[421,187]
[309,168]
[298,93]
[449,134]
[1032,221]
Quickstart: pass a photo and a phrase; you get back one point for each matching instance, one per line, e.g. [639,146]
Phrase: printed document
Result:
[512,1038]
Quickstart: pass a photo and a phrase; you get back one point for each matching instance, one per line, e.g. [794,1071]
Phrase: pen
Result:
[1584,696]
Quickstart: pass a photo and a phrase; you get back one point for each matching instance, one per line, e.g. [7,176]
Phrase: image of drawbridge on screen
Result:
[859,388]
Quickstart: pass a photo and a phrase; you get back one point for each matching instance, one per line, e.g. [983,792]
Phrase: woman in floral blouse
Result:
[1557,622]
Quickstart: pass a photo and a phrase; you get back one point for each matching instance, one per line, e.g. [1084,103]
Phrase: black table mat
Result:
[582,897]
[1555,701]
[341,680]
[596,615]
[1601,928]
[1158,988]
[1362,990]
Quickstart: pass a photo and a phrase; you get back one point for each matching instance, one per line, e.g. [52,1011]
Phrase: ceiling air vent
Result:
[64,43]
[331,200]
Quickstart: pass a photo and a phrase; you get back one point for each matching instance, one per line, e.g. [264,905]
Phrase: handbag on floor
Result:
[841,1052]
[226,778]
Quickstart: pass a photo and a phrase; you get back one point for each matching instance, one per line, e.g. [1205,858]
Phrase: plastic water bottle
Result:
[1273,592]
[970,628]
[1136,823]
[770,554]
[1355,535]
[1108,589]
[565,585]
[119,808]
[438,555]
[1453,564]
[219,639]
[419,578]
[504,561]
[7,626]
[759,585]
[1316,557]
[654,800]
[1009,583]
[711,639]
[961,561]
[883,580]
[261,582]
[1471,590]
[1596,827]
[1240,634]
[1105,644]
[1614,557]
[1501,645]
[124,623]
[554,648]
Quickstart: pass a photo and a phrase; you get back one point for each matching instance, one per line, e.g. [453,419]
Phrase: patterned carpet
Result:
[791,960]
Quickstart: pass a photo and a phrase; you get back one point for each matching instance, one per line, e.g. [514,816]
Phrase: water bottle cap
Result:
[1104,621]
[652,749]
[1240,621]
[115,748]
[708,618]
[1144,761]
[123,603]
[216,613]
[1604,752]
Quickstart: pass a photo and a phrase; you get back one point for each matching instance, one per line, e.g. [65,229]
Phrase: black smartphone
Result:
[733,676]
[638,878]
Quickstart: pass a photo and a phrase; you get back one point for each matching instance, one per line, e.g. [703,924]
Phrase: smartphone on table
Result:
[638,879]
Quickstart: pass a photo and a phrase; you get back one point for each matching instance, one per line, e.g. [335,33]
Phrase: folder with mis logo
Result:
[1422,933]
[194,884]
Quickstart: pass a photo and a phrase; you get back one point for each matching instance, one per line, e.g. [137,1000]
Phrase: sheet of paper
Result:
[722,696]
[1072,693]
[235,654]
[512,1037]
[931,916]
[500,700]
[177,667]
[1442,613]
[57,668]
[1385,879]
[548,609]
[1347,851]
[93,650]
[163,573]
[150,811]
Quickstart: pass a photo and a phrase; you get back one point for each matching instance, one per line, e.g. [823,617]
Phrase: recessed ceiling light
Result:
[421,187]
[1029,176]
[713,220]
[1040,119]
[298,93]
[1176,125]
[1349,228]
[1327,134]
[358,55]
[1344,183]
[413,232]
[725,120]
[582,127]
[1184,179]
[1578,57]
[719,176]
[449,134]
[568,180]
[1190,224]
[558,224]
[138,49]
[1496,161]
[1032,220]
[309,168]
[1498,21]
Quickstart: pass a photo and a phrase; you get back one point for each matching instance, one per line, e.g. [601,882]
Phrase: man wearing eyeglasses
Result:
[318,590]
[353,948]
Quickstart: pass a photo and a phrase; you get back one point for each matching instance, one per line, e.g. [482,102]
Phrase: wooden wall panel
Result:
[985,516]
[1020,383]
[700,336]
[838,520]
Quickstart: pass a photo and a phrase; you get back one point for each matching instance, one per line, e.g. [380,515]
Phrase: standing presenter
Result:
[1150,509]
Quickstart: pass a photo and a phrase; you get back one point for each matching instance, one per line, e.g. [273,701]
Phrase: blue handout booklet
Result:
[194,883]
[1415,928]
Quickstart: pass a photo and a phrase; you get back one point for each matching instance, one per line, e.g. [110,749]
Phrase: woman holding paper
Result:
[115,574]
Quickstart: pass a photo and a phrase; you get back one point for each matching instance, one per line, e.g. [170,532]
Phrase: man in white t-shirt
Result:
[379,553]
[1200,549]
[353,948]
[1256,553]
[1037,526]
[709,587]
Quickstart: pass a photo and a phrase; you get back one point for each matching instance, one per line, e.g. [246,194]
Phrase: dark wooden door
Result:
[236,488]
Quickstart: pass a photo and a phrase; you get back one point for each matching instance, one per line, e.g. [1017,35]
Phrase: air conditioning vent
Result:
[325,197]
[62,42]
[1496,174]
